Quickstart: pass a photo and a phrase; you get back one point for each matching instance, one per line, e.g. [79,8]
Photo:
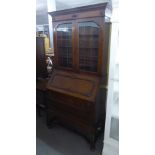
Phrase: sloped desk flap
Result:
[77,85]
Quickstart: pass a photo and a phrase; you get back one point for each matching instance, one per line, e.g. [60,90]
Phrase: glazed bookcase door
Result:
[64,44]
[88,45]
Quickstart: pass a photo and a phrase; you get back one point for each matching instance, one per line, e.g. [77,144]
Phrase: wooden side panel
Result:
[41,70]
[105,64]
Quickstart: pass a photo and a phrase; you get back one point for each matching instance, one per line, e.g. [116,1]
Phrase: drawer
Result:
[71,119]
[78,15]
[69,101]
[86,114]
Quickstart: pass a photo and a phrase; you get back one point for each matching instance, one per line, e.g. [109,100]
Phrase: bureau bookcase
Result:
[76,91]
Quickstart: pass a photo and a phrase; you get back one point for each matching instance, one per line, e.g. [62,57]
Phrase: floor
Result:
[60,141]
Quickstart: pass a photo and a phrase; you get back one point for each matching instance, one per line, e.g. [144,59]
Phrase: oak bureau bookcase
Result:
[76,91]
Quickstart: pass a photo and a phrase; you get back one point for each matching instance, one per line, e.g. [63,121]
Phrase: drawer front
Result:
[57,106]
[75,107]
[71,120]
[69,101]
[88,14]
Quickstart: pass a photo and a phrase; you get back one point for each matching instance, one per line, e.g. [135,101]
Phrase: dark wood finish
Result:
[78,85]
[41,70]
[74,96]
[74,100]
[97,10]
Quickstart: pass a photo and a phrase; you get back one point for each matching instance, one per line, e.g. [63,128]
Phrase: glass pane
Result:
[64,44]
[88,46]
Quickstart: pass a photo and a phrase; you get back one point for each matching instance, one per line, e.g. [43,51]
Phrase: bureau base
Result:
[89,132]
